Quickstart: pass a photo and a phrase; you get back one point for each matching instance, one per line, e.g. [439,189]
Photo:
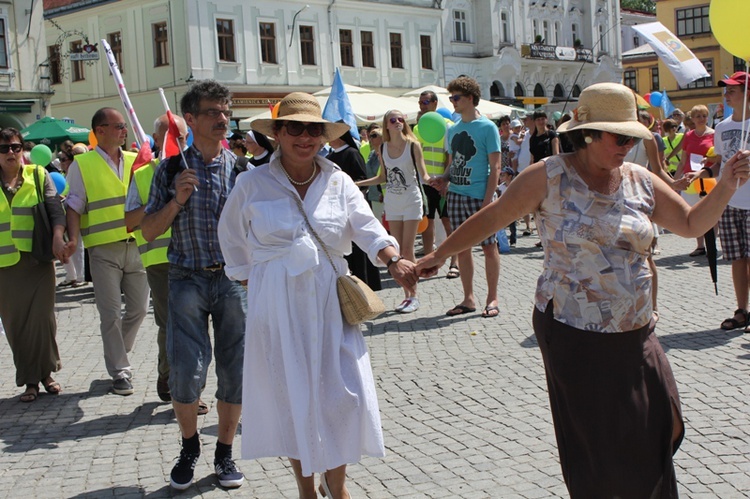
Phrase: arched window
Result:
[576,91]
[539,90]
[559,91]
[519,90]
[496,89]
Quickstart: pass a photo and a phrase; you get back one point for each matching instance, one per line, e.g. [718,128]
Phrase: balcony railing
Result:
[556,53]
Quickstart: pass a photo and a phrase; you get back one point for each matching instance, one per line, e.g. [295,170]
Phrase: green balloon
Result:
[432,127]
[556,115]
[41,155]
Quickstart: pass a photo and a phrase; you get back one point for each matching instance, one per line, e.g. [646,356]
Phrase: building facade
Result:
[265,48]
[24,88]
[688,19]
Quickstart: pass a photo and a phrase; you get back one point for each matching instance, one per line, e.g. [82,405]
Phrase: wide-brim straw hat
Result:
[303,107]
[608,107]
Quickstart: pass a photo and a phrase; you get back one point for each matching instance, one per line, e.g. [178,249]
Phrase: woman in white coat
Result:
[308,389]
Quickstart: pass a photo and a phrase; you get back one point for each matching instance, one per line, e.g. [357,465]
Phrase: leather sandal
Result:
[732,323]
[31,394]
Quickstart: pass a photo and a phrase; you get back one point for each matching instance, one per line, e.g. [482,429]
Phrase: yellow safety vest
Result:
[154,252]
[433,152]
[17,219]
[104,218]
[674,161]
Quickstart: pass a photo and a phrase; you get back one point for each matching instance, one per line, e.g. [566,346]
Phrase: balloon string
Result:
[743,138]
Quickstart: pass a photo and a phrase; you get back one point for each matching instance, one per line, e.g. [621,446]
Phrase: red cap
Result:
[738,78]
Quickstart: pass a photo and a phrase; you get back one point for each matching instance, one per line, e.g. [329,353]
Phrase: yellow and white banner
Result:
[682,63]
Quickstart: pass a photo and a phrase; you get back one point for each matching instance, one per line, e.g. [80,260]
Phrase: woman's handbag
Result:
[41,238]
[358,302]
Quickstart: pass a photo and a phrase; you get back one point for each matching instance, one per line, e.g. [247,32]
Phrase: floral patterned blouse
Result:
[595,249]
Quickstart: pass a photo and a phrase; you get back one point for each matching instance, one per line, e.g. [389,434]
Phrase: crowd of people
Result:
[255,236]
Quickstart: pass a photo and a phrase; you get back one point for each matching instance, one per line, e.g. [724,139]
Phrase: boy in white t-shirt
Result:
[734,222]
[515,142]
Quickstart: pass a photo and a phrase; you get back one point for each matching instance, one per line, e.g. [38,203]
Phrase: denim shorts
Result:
[194,295]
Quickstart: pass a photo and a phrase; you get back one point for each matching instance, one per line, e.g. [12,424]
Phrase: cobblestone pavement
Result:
[463,401]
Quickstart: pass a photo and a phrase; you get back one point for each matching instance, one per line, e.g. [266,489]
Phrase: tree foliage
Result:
[639,5]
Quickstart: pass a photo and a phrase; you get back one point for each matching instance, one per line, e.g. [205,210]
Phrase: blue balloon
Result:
[442,111]
[151,141]
[655,99]
[59,181]
[189,139]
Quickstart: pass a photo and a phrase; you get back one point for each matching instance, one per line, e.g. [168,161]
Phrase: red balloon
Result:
[647,97]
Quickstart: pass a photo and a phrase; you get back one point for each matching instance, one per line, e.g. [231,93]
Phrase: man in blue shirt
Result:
[189,198]
[473,146]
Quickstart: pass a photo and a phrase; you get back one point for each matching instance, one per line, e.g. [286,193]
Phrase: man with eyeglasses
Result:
[435,160]
[189,199]
[679,117]
[98,183]
[473,146]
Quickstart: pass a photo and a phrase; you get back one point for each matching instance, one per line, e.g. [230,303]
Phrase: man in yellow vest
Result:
[154,254]
[98,181]
[435,160]
[189,199]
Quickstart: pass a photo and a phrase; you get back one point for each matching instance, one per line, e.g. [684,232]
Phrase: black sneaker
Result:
[122,386]
[229,476]
[182,473]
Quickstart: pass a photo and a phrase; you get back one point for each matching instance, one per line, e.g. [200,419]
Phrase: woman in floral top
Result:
[613,398]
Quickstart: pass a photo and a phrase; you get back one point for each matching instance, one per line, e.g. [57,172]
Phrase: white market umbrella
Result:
[491,110]
[368,106]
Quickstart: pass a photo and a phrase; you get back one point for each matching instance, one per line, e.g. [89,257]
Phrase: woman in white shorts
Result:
[402,164]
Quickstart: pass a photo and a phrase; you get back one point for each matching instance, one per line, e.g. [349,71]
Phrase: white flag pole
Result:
[140,135]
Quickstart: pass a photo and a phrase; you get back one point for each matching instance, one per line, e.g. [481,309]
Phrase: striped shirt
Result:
[195,241]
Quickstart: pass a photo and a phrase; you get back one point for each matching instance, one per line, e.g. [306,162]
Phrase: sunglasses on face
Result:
[296,128]
[119,126]
[624,140]
[456,97]
[374,136]
[14,146]
[425,102]
[215,113]
[396,120]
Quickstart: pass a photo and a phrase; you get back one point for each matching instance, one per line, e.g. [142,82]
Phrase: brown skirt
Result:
[611,397]
[27,309]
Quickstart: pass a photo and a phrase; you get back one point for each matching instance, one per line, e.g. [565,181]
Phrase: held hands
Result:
[736,170]
[403,272]
[438,183]
[428,265]
[59,249]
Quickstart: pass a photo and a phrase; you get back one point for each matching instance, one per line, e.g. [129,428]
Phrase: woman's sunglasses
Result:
[374,136]
[15,147]
[296,128]
[396,120]
[624,140]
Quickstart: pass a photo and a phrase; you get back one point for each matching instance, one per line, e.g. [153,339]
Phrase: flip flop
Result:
[453,272]
[202,408]
[30,396]
[459,310]
[53,387]
[490,312]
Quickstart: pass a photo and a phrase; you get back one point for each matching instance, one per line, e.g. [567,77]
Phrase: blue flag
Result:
[338,107]
[666,105]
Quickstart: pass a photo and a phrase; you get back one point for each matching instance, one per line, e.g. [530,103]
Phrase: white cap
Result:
[515,123]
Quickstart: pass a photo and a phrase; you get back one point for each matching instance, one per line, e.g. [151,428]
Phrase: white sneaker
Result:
[412,306]
[401,305]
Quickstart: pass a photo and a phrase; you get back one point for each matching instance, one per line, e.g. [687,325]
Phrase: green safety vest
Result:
[674,161]
[104,219]
[433,152]
[154,252]
[17,219]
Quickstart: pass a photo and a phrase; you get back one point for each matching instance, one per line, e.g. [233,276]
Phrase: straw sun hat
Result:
[609,107]
[303,107]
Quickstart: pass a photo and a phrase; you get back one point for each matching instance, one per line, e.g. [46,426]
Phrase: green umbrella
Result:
[51,132]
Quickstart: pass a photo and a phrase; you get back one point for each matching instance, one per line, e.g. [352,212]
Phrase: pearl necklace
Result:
[19,182]
[304,182]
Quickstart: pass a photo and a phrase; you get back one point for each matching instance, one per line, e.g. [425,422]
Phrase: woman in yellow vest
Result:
[673,143]
[27,286]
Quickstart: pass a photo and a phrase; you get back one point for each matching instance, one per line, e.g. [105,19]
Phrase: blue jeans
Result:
[193,296]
